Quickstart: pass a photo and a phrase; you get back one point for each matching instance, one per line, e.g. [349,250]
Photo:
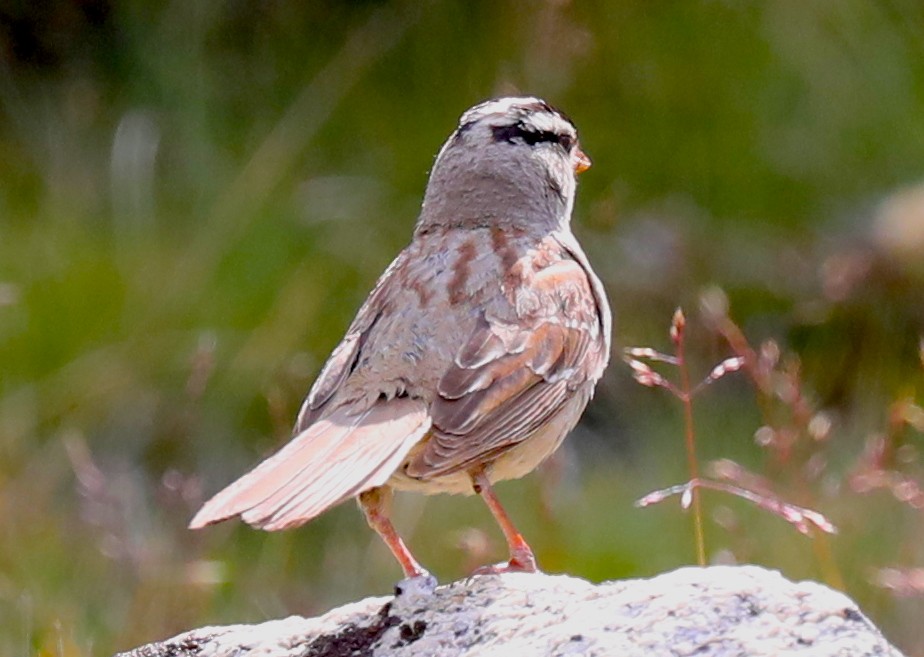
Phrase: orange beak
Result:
[582,162]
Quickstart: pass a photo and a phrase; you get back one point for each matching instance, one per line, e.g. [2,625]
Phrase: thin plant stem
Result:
[686,397]
[828,564]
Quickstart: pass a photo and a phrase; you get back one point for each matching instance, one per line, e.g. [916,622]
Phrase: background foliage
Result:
[195,198]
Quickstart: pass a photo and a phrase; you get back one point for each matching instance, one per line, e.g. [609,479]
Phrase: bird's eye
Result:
[532,136]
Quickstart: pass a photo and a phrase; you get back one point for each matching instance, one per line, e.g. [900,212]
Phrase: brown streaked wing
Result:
[525,414]
[493,398]
[336,458]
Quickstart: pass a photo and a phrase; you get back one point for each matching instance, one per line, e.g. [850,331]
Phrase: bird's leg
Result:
[376,504]
[521,555]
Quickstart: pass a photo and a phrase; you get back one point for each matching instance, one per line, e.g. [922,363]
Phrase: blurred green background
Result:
[195,198]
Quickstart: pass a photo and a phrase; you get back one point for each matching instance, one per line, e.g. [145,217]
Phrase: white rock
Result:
[721,611]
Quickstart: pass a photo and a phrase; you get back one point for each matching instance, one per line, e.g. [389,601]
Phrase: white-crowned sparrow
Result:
[474,355]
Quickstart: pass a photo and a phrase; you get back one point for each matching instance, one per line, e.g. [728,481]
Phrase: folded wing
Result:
[510,378]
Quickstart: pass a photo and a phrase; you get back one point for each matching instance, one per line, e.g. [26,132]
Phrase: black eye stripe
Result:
[531,136]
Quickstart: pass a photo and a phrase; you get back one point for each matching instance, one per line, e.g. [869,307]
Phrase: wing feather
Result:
[511,377]
[462,413]
[530,412]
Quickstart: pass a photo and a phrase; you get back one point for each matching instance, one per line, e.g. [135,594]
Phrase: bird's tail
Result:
[337,457]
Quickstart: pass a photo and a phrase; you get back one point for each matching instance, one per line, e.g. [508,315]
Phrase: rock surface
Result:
[707,612]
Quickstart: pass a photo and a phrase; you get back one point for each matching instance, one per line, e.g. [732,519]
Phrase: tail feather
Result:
[335,458]
[274,476]
[302,506]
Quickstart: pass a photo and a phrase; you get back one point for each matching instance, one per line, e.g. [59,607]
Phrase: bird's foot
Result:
[521,561]
[423,583]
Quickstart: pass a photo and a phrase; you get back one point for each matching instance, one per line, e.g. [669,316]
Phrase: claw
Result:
[522,561]
[505,567]
[422,584]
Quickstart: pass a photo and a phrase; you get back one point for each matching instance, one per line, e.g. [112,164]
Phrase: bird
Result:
[472,358]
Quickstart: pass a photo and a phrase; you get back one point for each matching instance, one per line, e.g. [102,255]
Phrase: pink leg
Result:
[521,555]
[375,504]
